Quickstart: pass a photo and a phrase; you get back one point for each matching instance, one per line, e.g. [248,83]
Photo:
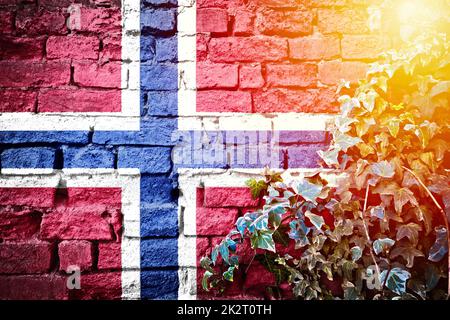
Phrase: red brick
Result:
[363,47]
[112,48]
[34,74]
[79,101]
[244,22]
[224,101]
[98,20]
[202,46]
[75,47]
[45,287]
[289,75]
[280,3]
[18,225]
[331,72]
[30,21]
[212,20]
[6,22]
[99,286]
[109,256]
[326,101]
[284,100]
[31,197]
[215,221]
[250,77]
[203,247]
[88,197]
[284,22]
[75,253]
[258,276]
[217,3]
[30,257]
[229,197]
[76,224]
[314,48]
[251,49]
[17,101]
[14,48]
[343,21]
[214,75]
[93,74]
[329,3]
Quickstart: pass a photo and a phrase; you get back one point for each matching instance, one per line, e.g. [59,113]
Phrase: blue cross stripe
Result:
[148,149]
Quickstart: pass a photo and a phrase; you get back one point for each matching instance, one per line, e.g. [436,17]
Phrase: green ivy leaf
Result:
[344,141]
[408,253]
[377,212]
[263,240]
[330,157]
[256,187]
[382,245]
[228,275]
[432,276]
[383,169]
[356,253]
[440,247]
[205,279]
[309,191]
[410,231]
[316,220]
[403,196]
[396,279]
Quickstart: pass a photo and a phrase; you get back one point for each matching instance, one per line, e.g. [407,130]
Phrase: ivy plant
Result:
[381,231]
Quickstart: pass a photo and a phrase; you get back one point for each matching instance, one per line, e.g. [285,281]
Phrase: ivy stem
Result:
[366,229]
[251,261]
[444,216]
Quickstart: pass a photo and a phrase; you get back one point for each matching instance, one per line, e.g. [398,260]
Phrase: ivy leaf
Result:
[348,104]
[402,196]
[440,247]
[383,169]
[356,253]
[299,232]
[309,191]
[316,220]
[377,212]
[256,187]
[344,141]
[263,240]
[440,88]
[330,157]
[368,100]
[205,279]
[262,222]
[241,225]
[224,252]
[396,279]
[228,275]
[214,254]
[432,276]
[343,123]
[410,231]
[205,263]
[382,245]
[408,253]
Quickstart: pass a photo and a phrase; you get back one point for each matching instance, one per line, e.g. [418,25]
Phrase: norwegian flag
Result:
[125,142]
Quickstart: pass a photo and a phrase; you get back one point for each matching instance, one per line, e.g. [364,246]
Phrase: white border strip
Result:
[190,119]
[191,179]
[126,179]
[127,119]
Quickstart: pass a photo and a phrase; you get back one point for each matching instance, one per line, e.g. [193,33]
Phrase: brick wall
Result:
[260,57]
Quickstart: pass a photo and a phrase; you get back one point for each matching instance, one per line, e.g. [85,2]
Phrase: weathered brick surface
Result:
[270,41]
[75,253]
[32,255]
